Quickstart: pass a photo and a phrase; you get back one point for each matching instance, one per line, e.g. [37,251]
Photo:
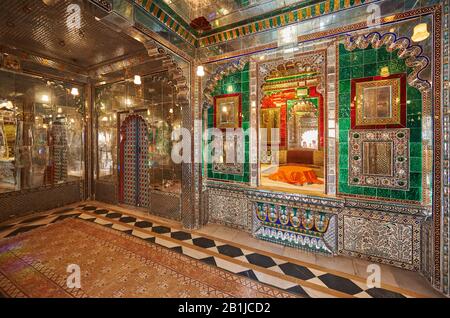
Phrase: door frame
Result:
[120,165]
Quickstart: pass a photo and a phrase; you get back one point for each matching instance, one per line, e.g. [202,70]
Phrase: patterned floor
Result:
[282,272]
[113,265]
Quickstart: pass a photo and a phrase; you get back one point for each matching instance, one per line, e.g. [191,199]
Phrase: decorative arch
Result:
[406,50]
[307,104]
[312,61]
[283,97]
[134,172]
[154,78]
[176,76]
[309,63]
[219,73]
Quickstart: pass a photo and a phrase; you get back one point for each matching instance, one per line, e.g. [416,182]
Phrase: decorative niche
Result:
[228,115]
[271,119]
[379,158]
[227,106]
[303,125]
[232,156]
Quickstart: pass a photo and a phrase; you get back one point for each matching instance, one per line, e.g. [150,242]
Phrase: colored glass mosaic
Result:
[279,18]
[237,82]
[304,11]
[294,226]
[175,25]
[134,176]
[369,62]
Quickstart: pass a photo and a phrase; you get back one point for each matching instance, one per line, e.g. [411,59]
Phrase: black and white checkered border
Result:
[131,224]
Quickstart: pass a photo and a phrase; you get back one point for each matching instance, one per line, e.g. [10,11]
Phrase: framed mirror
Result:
[227,111]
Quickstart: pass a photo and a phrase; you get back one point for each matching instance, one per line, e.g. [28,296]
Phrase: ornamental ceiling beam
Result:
[75,73]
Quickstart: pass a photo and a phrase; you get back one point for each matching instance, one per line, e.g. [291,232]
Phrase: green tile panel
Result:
[364,63]
[239,81]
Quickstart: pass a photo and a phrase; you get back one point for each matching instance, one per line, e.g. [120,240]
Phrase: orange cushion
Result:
[297,175]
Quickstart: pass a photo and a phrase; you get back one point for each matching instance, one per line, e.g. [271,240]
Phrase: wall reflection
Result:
[41,132]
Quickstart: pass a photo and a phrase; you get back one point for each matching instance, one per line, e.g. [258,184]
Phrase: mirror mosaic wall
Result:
[155,104]
[345,143]
[41,132]
[357,130]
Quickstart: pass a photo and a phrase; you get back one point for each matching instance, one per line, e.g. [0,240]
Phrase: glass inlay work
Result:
[295,226]
[379,158]
[379,102]
[373,63]
[237,82]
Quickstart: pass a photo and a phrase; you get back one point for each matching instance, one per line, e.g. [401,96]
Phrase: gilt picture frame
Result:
[228,111]
[378,102]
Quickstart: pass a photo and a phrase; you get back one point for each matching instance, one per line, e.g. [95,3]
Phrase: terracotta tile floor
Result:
[307,274]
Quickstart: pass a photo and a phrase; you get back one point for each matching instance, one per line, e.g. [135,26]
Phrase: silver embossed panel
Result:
[229,208]
[388,240]
[165,204]
[379,158]
[15,204]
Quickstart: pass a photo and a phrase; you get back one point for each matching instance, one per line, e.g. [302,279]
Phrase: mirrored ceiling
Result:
[43,28]
[226,12]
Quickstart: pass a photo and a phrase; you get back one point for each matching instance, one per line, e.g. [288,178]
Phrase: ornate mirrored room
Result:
[235,148]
